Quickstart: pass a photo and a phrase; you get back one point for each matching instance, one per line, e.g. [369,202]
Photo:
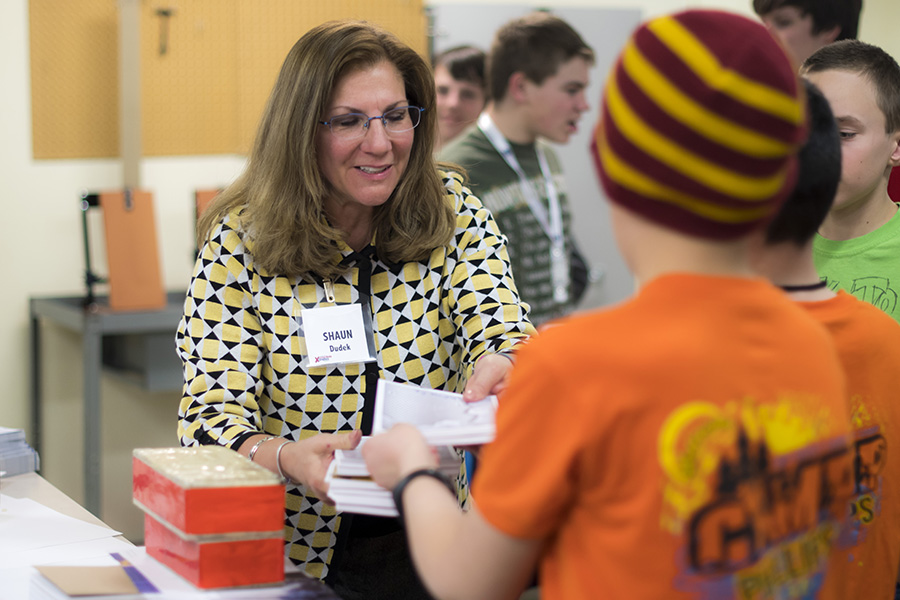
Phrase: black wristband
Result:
[401,485]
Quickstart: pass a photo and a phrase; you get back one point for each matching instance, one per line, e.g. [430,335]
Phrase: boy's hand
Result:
[392,455]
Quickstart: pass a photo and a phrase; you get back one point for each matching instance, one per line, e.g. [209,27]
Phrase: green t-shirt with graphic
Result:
[867,267]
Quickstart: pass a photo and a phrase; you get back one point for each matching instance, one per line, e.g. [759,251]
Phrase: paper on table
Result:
[27,525]
[76,553]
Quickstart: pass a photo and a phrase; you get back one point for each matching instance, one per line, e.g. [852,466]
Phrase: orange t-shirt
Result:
[689,443]
[868,344]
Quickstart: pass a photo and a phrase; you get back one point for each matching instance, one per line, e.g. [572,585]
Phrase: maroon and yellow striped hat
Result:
[702,116]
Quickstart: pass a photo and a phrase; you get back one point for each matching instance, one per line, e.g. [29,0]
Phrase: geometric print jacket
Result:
[242,346]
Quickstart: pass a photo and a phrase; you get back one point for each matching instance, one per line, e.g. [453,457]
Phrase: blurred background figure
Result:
[804,26]
[459,82]
[537,70]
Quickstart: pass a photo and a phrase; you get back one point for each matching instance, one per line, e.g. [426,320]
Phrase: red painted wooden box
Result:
[212,516]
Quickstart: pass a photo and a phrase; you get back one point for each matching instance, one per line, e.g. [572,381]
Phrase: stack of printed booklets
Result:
[16,456]
[444,419]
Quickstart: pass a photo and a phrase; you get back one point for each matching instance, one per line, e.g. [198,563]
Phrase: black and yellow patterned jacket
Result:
[242,347]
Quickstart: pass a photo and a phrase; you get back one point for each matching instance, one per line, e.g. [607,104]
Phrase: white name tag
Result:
[335,335]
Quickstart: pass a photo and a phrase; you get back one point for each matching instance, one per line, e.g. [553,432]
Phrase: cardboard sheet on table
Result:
[89,581]
[298,585]
[132,252]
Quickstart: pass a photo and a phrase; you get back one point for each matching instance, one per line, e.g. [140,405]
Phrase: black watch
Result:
[401,485]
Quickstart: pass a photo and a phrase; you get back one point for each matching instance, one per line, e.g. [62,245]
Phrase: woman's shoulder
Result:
[229,222]
[463,199]
[229,234]
[452,180]
[474,221]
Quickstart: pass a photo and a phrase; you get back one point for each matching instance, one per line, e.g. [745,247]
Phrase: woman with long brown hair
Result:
[341,255]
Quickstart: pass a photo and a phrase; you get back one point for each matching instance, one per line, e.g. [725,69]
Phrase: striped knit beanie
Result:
[702,116]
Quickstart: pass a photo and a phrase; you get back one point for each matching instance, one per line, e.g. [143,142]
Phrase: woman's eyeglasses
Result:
[354,125]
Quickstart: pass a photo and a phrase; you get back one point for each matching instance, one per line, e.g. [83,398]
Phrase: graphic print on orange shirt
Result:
[870,460]
[758,493]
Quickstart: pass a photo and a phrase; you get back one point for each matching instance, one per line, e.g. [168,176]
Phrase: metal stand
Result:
[89,201]
[155,370]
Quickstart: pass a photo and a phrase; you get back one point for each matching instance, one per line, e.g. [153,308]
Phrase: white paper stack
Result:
[444,418]
[353,490]
[16,456]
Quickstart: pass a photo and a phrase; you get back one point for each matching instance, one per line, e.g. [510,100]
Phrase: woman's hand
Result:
[307,461]
[488,377]
[392,455]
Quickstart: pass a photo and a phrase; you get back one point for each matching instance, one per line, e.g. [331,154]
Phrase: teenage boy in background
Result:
[537,70]
[804,26]
[459,83]
[691,442]
[858,245]
[868,343]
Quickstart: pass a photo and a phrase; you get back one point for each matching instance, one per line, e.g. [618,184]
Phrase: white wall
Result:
[41,247]
[42,250]
[878,25]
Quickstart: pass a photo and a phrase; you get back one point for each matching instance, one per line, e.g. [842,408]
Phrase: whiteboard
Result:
[606,30]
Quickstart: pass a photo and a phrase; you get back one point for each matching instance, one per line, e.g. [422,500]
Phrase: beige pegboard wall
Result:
[265,41]
[74,78]
[206,69]
[188,77]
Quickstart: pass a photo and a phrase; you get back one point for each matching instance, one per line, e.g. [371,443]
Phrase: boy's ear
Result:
[516,87]
[829,35]
[894,160]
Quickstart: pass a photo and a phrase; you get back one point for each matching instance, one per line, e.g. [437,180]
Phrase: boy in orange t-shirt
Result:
[691,442]
[868,343]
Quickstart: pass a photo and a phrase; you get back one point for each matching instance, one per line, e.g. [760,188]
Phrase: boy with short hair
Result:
[537,73]
[691,442]
[868,344]
[858,245]
[804,26]
[461,91]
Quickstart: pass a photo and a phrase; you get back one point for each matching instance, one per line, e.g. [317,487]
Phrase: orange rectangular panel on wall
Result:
[202,200]
[132,253]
